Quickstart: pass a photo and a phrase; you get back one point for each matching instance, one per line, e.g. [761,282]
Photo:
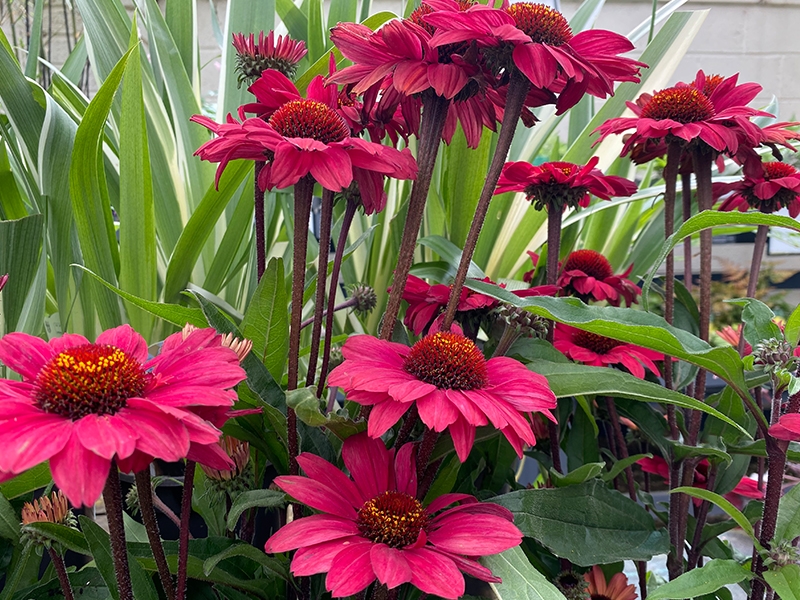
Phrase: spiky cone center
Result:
[711,83]
[782,198]
[392,518]
[596,343]
[89,379]
[681,104]
[572,585]
[523,322]
[309,119]
[590,262]
[365,298]
[543,24]
[772,353]
[554,196]
[250,67]
[446,51]
[448,361]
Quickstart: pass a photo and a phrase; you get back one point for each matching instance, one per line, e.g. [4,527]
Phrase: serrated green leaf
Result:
[757,318]
[705,580]
[266,321]
[253,499]
[576,476]
[308,409]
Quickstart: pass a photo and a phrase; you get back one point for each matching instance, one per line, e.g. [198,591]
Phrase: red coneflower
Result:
[253,58]
[766,187]
[600,351]
[616,589]
[81,405]
[588,275]
[453,386]
[562,184]
[371,526]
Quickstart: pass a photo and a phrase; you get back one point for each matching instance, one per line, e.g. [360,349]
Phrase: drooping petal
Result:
[309,531]
[106,435]
[369,462]
[315,559]
[434,573]
[389,565]
[351,571]
[79,473]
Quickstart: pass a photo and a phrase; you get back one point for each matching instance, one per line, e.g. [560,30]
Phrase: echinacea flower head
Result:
[537,40]
[453,386]
[766,187]
[82,405]
[253,58]
[600,351]
[616,589]
[49,508]
[371,525]
[557,185]
[711,111]
[588,275]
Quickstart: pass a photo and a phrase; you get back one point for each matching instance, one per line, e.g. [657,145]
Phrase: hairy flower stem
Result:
[112,497]
[755,268]
[424,452]
[183,536]
[554,214]
[517,91]
[622,454]
[347,220]
[144,487]
[61,572]
[670,192]
[776,452]
[434,114]
[700,521]
[258,206]
[686,197]
[410,420]
[302,210]
[322,273]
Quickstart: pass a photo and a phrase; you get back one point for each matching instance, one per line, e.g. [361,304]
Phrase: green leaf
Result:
[308,409]
[788,526]
[757,318]
[32,479]
[568,379]
[20,249]
[579,475]
[35,41]
[707,579]
[733,512]
[623,464]
[90,200]
[272,565]
[9,522]
[266,321]
[180,18]
[792,330]
[445,480]
[253,499]
[587,524]
[521,580]
[450,253]
[785,581]
[171,313]
[69,538]
[24,567]
[137,228]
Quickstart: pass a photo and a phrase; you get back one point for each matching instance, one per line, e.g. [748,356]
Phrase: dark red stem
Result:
[261,238]
[686,196]
[326,217]
[112,497]
[424,452]
[183,536]
[700,521]
[144,487]
[515,99]
[61,572]
[346,304]
[434,114]
[554,214]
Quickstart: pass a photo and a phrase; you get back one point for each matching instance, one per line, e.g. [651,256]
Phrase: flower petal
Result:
[351,571]
[369,462]
[389,565]
[434,573]
[309,531]
[25,353]
[315,559]
[79,473]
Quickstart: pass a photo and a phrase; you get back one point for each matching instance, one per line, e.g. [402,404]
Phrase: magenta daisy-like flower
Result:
[711,110]
[766,187]
[253,58]
[453,386]
[588,275]
[81,405]
[562,184]
[372,527]
[537,40]
[599,351]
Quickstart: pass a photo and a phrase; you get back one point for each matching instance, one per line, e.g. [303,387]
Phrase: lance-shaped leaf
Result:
[521,580]
[705,580]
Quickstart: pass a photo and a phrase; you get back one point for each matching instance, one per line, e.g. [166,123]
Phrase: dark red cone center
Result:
[590,262]
[449,361]
[309,119]
[393,518]
[545,25]
[681,104]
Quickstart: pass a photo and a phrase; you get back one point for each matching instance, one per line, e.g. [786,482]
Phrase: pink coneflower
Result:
[731,334]
[562,184]
[538,40]
[712,110]
[81,405]
[787,428]
[616,589]
[253,58]
[600,351]
[453,385]
[588,275]
[371,526]
[426,302]
[766,187]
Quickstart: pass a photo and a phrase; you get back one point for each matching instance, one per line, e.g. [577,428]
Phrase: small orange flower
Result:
[616,589]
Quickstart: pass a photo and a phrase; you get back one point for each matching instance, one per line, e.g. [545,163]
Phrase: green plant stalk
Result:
[347,221]
[755,268]
[183,536]
[61,572]
[517,91]
[112,497]
[322,272]
[258,208]
[434,114]
[145,491]
[302,211]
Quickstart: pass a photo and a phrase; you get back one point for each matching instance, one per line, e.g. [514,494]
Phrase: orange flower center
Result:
[309,119]
[684,105]
[590,262]
[776,170]
[596,343]
[89,379]
[393,518]
[449,361]
[711,83]
[545,25]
